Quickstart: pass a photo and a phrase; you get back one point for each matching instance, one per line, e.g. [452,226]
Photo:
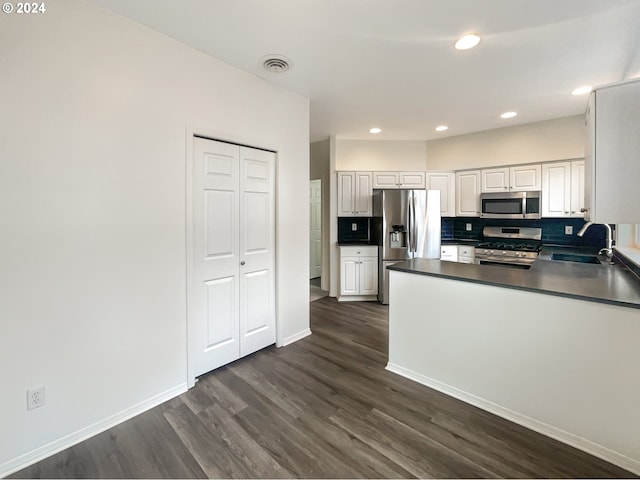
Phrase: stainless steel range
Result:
[515,247]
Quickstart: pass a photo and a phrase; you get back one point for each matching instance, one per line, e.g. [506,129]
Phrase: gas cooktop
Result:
[525,247]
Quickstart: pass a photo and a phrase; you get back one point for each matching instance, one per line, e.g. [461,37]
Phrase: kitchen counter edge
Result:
[612,285]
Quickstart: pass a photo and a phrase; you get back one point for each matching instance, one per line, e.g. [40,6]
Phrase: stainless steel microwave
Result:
[510,205]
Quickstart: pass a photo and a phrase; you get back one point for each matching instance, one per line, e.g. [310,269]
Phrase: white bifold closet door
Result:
[233,290]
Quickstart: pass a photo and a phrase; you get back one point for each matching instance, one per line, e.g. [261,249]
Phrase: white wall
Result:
[559,139]
[95,111]
[567,368]
[380,155]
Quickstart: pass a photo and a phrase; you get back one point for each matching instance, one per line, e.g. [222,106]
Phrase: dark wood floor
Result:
[322,407]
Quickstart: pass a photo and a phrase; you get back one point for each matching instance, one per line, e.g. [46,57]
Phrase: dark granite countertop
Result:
[606,283]
[357,244]
[459,241]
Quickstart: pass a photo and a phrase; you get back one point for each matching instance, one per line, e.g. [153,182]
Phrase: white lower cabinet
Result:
[358,273]
[457,253]
[466,254]
[449,253]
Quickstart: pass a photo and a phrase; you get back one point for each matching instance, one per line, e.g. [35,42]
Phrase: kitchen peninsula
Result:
[554,348]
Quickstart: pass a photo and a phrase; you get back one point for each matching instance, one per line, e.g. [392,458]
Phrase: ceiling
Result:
[391,63]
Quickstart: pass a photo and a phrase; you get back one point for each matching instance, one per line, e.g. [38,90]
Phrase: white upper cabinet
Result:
[577,188]
[525,178]
[355,194]
[516,178]
[556,189]
[445,182]
[612,168]
[406,180]
[563,189]
[495,180]
[468,193]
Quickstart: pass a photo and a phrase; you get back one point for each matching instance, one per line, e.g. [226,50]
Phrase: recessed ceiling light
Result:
[442,128]
[508,115]
[375,130]
[581,90]
[468,41]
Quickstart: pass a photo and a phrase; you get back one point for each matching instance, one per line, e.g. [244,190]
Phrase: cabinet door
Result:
[556,189]
[577,188]
[615,168]
[363,194]
[349,278]
[468,193]
[346,194]
[449,253]
[257,250]
[412,179]
[368,275]
[495,180]
[445,182]
[525,178]
[386,180]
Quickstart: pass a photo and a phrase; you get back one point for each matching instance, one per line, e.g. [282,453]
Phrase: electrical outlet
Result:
[468,226]
[568,230]
[354,227]
[35,398]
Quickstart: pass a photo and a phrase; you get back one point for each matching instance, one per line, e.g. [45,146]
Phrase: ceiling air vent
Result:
[276,63]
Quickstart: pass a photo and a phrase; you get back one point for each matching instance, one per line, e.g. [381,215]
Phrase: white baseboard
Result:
[528,422]
[358,298]
[89,431]
[295,337]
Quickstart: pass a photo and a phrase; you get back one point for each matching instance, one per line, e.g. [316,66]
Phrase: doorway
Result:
[315,240]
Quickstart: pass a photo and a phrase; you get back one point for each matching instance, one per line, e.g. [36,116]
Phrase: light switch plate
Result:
[568,230]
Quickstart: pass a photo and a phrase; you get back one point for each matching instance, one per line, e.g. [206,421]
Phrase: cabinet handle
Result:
[583,210]
[566,212]
[242,262]
[573,211]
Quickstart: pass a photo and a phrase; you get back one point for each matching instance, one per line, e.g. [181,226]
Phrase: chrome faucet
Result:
[607,250]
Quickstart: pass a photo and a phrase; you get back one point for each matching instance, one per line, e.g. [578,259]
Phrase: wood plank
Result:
[323,407]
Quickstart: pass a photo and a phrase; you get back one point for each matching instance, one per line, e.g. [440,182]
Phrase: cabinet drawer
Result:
[449,253]
[465,251]
[359,251]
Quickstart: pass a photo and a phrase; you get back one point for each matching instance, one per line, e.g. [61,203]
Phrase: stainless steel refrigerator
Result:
[407,224]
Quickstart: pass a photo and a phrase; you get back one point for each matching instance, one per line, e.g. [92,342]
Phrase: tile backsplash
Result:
[552,230]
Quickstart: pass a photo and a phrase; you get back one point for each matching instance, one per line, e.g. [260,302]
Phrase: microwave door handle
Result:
[524,205]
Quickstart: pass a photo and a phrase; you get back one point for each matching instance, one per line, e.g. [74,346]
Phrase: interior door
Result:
[232,299]
[216,286]
[315,228]
[257,250]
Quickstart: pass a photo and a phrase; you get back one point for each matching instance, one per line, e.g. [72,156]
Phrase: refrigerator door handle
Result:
[413,234]
[415,223]
[408,231]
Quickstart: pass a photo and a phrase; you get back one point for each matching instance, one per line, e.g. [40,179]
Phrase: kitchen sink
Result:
[573,257]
